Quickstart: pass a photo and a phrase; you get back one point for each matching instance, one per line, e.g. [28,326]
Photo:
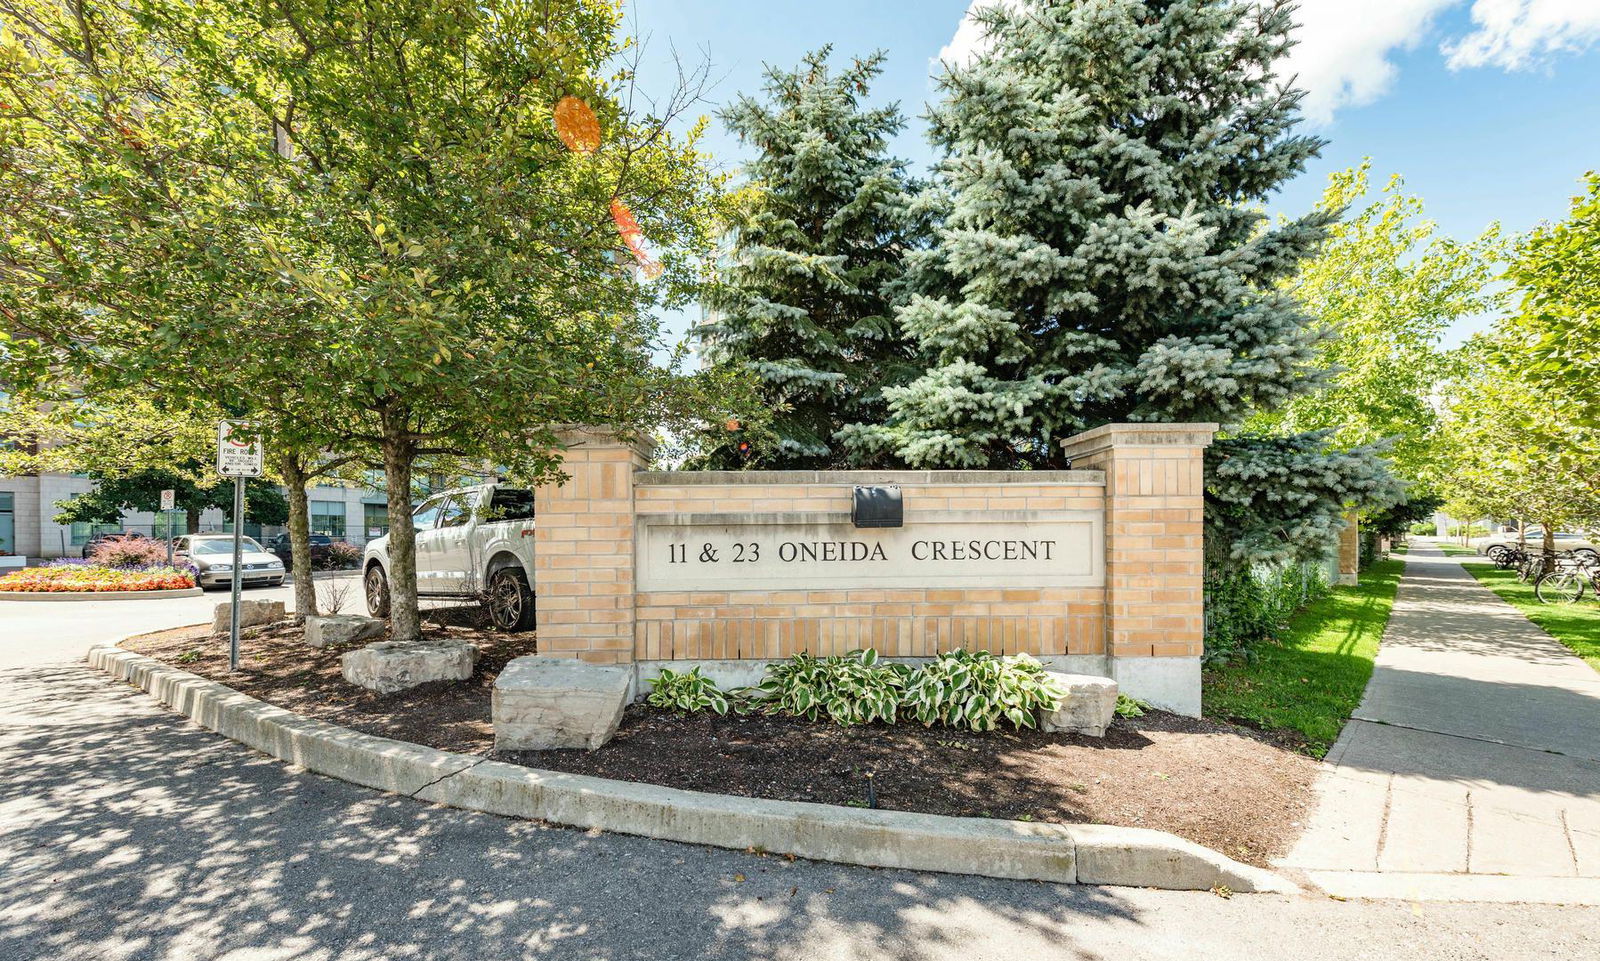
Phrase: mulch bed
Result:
[276,666]
[1230,788]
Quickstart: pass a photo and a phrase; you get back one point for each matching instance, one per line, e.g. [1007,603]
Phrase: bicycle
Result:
[1506,558]
[1567,582]
[1532,564]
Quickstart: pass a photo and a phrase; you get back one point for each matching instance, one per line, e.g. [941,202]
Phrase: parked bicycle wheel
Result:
[1560,586]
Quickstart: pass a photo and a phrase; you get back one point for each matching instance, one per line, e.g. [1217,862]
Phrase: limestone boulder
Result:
[251,614]
[389,667]
[546,703]
[342,629]
[1088,708]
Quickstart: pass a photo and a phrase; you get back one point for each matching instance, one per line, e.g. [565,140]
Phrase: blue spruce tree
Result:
[1103,255]
[819,238]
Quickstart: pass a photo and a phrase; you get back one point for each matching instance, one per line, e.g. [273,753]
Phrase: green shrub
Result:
[854,688]
[1246,606]
[1130,706]
[975,689]
[686,692]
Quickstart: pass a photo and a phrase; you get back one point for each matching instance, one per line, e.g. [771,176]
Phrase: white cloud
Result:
[968,39]
[1515,34]
[1343,55]
[1342,58]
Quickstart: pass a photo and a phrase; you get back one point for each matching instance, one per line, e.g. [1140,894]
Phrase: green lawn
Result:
[1575,625]
[1311,680]
[1456,550]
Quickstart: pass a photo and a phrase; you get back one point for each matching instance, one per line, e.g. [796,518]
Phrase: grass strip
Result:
[1308,682]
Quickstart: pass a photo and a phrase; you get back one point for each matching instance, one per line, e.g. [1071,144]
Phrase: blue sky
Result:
[1489,108]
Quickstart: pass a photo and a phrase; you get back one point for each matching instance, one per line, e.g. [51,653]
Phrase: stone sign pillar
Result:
[1350,551]
[583,550]
[1155,555]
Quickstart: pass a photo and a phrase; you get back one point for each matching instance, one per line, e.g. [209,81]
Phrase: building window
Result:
[327,517]
[81,532]
[8,523]
[375,519]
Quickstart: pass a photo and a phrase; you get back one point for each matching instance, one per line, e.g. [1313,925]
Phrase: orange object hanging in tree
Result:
[576,125]
[633,237]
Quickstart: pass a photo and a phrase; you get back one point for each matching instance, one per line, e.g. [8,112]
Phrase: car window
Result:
[424,517]
[223,545]
[510,504]
[455,511]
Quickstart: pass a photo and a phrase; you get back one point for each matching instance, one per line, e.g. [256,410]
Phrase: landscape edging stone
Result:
[1064,853]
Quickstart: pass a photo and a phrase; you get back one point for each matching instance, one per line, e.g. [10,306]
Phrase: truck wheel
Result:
[510,600]
[376,587]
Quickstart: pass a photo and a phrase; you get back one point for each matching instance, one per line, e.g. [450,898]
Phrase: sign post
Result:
[169,500]
[238,458]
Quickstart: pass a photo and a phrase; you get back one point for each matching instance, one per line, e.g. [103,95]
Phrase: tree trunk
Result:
[405,621]
[192,518]
[305,585]
[1549,548]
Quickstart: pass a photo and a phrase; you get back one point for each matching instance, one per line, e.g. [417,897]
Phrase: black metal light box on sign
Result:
[877,507]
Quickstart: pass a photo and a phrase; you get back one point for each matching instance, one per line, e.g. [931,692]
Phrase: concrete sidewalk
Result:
[1471,770]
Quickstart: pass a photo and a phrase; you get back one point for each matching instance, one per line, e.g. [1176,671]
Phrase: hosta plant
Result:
[977,690]
[686,692]
[854,688]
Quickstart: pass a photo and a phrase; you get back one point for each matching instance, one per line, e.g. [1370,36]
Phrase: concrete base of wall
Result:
[1170,683]
[1347,580]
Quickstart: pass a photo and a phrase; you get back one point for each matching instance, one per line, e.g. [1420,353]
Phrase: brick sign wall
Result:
[906,604]
[1096,570]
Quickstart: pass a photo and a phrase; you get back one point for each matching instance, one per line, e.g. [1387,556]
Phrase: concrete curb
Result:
[99,595]
[1065,853]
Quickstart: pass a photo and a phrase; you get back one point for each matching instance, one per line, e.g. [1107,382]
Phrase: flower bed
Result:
[93,578]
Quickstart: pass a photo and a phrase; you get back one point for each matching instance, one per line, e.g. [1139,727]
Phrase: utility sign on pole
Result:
[237,458]
[169,501]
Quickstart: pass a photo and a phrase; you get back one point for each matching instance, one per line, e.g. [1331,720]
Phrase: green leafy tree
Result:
[1102,257]
[1554,338]
[113,495]
[1386,286]
[1510,450]
[819,238]
[364,211]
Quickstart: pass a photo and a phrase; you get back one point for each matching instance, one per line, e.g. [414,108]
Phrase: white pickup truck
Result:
[474,543]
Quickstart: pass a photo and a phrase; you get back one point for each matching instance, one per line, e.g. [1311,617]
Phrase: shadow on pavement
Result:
[126,832]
